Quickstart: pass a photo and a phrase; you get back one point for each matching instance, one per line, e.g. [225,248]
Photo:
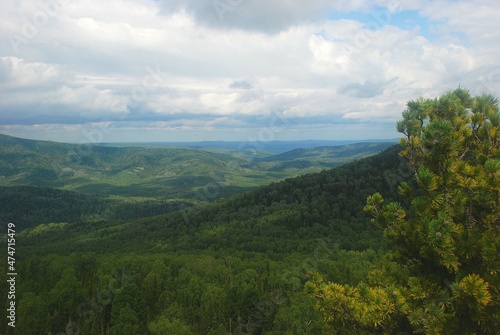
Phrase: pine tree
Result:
[444,239]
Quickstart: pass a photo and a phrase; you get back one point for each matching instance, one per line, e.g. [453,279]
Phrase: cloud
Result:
[258,15]
[182,64]
[23,74]
[241,84]
[89,99]
[368,89]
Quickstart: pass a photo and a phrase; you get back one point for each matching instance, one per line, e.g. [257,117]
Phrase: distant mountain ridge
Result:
[272,147]
[324,152]
[159,172]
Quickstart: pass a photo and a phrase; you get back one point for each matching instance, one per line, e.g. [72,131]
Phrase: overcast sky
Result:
[242,70]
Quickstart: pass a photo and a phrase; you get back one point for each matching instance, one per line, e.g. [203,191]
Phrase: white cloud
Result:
[19,74]
[89,99]
[179,61]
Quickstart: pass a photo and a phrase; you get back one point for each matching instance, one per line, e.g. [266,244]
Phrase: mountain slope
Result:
[30,206]
[325,156]
[324,152]
[156,172]
[282,217]
[125,171]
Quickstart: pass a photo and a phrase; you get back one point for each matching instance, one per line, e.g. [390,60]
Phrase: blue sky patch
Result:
[380,17]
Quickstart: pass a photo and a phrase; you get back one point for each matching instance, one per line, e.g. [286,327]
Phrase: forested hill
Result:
[324,156]
[124,171]
[282,217]
[158,172]
[326,204]
[325,152]
[30,206]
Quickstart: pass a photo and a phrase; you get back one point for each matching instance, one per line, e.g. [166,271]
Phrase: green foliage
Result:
[33,314]
[29,206]
[444,238]
[67,293]
[127,322]
[298,317]
[166,326]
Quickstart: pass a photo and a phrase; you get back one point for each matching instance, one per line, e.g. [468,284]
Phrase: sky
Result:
[88,71]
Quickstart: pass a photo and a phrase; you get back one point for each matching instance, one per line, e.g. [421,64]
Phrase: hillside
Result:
[29,206]
[316,205]
[126,172]
[324,156]
[151,173]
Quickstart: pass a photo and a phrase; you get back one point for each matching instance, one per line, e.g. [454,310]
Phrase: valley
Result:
[160,171]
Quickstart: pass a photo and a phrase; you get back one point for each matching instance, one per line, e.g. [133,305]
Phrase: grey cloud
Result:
[368,89]
[36,114]
[255,15]
[39,114]
[241,84]
[5,69]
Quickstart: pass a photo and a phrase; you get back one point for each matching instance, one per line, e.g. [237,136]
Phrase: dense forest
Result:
[402,242]
[252,251]
[30,206]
